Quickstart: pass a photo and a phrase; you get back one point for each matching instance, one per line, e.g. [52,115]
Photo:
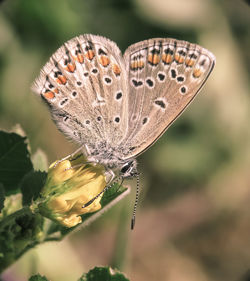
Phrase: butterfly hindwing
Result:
[164,76]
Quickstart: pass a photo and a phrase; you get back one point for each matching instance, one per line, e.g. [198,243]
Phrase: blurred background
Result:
[193,222]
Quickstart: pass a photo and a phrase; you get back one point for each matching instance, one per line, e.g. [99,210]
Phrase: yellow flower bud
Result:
[70,185]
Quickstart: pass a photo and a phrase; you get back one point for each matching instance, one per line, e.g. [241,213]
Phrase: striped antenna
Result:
[136,201]
[93,199]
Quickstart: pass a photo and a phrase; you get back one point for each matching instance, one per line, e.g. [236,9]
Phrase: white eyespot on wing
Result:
[117,119]
[150,82]
[118,95]
[63,102]
[173,73]
[161,76]
[180,79]
[94,71]
[107,80]
[145,120]
[183,90]
[161,103]
[136,83]
[74,94]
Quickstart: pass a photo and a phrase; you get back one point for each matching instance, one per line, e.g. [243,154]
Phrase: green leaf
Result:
[103,274]
[31,185]
[40,160]
[14,160]
[112,193]
[2,197]
[38,277]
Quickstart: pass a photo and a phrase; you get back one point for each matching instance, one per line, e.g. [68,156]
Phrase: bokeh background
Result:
[193,222]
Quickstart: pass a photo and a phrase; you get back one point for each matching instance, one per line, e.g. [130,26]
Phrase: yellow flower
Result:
[70,185]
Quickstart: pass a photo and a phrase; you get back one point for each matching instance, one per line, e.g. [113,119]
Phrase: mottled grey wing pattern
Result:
[85,85]
[164,76]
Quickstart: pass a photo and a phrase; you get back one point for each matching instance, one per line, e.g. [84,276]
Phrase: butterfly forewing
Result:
[85,86]
[164,76]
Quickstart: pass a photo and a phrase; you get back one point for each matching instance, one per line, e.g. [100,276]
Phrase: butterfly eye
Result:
[127,168]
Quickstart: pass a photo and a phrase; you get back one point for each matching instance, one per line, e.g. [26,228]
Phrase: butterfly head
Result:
[128,170]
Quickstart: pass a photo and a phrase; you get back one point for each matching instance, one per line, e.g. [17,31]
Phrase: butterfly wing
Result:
[84,84]
[164,77]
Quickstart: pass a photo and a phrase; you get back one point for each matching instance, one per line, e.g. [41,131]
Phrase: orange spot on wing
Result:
[61,80]
[133,65]
[49,95]
[153,59]
[104,60]
[116,69]
[181,60]
[197,73]
[167,58]
[189,62]
[70,67]
[178,58]
[90,54]
[56,91]
[80,58]
[141,64]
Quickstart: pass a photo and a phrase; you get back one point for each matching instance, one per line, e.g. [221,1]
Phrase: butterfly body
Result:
[116,106]
[112,158]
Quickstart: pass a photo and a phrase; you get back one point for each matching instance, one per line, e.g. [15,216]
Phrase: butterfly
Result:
[116,106]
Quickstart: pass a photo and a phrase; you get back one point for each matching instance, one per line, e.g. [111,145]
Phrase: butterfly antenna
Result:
[94,198]
[122,180]
[136,201]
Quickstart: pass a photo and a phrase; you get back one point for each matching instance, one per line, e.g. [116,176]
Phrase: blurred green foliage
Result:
[95,274]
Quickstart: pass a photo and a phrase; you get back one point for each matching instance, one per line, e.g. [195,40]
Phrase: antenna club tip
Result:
[132,223]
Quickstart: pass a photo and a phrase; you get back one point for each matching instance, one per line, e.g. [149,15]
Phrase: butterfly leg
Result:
[81,164]
[93,199]
[71,156]
[110,176]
